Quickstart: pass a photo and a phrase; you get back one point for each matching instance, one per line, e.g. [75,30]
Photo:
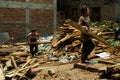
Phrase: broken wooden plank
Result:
[9,64]
[106,33]
[2,77]
[26,63]
[19,54]
[45,42]
[68,36]
[4,59]
[62,40]
[115,76]
[14,62]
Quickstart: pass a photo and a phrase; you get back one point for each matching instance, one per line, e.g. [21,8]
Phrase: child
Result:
[32,39]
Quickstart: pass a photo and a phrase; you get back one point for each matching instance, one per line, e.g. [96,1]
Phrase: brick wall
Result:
[14,0]
[42,20]
[107,11]
[13,20]
[15,30]
[41,1]
[11,14]
[41,16]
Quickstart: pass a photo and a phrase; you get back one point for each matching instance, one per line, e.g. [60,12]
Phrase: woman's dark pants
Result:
[87,48]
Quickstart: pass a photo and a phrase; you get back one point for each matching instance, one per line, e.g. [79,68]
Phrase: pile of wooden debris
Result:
[16,63]
[68,40]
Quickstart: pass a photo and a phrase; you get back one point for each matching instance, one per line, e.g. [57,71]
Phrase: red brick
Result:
[41,16]
[10,14]
[16,0]
[42,1]
[15,30]
[44,30]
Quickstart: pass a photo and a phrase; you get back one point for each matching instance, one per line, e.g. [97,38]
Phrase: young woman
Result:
[88,44]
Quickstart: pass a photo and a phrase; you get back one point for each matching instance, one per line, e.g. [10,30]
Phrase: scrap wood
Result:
[1,66]
[23,74]
[26,63]
[2,77]
[117,65]
[30,62]
[44,42]
[105,33]
[33,61]
[62,40]
[68,36]
[3,59]
[29,72]
[21,60]
[113,57]
[110,70]
[74,24]
[5,68]
[115,76]
[28,58]
[14,62]
[19,54]
[21,71]
[9,63]
[66,29]
[112,49]
[15,72]
[5,46]
[105,49]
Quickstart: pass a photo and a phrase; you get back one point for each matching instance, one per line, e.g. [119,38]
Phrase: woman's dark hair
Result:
[84,9]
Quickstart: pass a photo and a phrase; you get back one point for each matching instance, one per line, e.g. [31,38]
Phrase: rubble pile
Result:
[64,46]
[67,43]
[16,62]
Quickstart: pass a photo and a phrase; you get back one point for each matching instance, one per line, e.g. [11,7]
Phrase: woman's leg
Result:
[88,46]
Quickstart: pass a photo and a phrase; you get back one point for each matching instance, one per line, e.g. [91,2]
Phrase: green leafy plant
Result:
[114,43]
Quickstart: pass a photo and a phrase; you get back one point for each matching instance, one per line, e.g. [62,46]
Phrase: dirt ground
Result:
[66,72]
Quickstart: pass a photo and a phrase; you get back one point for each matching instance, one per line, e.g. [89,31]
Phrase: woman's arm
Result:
[80,22]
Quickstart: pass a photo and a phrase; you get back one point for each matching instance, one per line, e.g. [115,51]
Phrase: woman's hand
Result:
[85,29]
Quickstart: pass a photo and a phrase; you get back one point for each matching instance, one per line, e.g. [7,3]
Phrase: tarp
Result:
[4,36]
